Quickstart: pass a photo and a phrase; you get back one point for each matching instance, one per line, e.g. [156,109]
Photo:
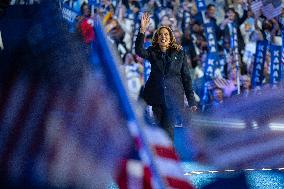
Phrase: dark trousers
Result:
[167,119]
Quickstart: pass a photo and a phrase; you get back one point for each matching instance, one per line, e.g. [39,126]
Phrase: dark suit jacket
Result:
[169,78]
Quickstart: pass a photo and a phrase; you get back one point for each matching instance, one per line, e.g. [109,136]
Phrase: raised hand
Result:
[145,22]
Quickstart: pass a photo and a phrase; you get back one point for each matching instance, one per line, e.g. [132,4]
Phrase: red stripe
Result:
[166,152]
[122,175]
[177,183]
[147,184]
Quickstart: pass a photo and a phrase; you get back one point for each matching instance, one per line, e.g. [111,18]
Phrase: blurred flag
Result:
[222,83]
[246,149]
[252,137]
[271,8]
[57,116]
[256,7]
[65,120]
[137,174]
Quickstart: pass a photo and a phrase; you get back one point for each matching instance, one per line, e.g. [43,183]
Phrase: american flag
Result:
[271,8]
[168,165]
[254,137]
[256,7]
[61,122]
[54,130]
[221,83]
[248,149]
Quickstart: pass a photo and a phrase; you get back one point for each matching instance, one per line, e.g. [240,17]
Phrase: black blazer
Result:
[169,78]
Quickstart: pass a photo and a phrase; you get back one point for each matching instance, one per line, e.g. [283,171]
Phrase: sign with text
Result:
[257,75]
[275,66]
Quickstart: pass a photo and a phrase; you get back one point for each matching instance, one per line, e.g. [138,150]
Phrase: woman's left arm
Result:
[186,81]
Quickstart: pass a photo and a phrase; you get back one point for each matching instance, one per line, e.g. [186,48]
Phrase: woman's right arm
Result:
[139,43]
[139,46]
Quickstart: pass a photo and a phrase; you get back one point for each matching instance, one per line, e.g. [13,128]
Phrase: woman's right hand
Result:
[145,22]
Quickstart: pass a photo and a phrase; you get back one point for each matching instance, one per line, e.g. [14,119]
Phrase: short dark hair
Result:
[231,9]
[210,5]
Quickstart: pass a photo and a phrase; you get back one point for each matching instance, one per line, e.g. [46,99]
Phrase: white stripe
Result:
[135,168]
[264,169]
[170,168]
[133,128]
[229,170]
[229,143]
[156,136]
[248,151]
[144,156]
[1,42]
[196,172]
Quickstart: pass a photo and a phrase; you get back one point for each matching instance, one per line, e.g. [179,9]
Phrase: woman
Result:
[85,24]
[169,78]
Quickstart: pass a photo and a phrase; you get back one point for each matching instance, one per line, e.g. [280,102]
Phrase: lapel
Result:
[160,61]
[165,64]
[170,61]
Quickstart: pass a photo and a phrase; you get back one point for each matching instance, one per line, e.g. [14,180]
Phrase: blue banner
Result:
[200,4]
[221,64]
[210,66]
[212,60]
[257,75]
[235,49]
[68,14]
[94,2]
[282,52]
[213,56]
[275,66]
[234,41]
[70,10]
[233,36]
[211,38]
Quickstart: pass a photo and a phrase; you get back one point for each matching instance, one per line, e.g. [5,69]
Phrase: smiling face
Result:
[218,95]
[164,38]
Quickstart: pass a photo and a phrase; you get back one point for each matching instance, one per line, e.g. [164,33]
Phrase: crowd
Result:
[122,21]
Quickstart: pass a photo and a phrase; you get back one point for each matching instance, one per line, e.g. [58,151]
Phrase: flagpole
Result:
[238,74]
[282,56]
[205,96]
